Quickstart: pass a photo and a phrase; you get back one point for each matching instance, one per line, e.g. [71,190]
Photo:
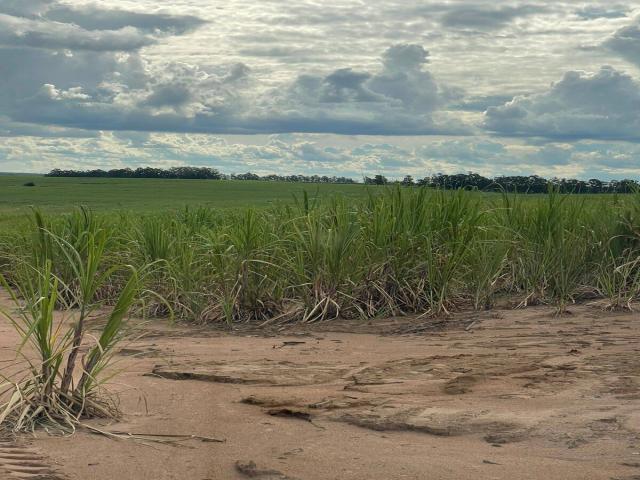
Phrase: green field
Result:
[62,195]
[401,250]
[56,195]
[318,251]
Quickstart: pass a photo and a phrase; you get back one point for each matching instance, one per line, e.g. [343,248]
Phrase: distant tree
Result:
[245,176]
[377,180]
[594,185]
[628,186]
[408,181]
[380,180]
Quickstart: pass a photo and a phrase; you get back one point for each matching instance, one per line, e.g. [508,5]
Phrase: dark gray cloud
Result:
[626,42]
[25,32]
[402,88]
[169,96]
[94,17]
[603,105]
[49,25]
[487,16]
[10,129]
[346,85]
[24,8]
[279,51]
[592,12]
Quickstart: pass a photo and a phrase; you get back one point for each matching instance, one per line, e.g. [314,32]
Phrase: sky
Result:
[332,87]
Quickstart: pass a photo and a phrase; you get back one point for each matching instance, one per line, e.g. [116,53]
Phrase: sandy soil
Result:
[502,395]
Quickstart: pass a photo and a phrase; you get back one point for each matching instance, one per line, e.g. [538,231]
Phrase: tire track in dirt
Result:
[20,462]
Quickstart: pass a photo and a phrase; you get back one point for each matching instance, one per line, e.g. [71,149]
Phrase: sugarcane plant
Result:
[63,379]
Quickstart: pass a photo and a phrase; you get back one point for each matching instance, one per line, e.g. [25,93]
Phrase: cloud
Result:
[277,51]
[403,78]
[16,31]
[98,74]
[53,26]
[112,91]
[480,103]
[59,61]
[592,12]
[345,85]
[92,17]
[169,95]
[404,75]
[9,128]
[22,8]
[402,98]
[486,17]
[626,42]
[601,105]
[320,154]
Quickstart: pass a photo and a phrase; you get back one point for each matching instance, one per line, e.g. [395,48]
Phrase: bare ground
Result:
[505,395]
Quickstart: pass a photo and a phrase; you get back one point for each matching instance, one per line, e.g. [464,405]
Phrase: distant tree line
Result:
[204,173]
[290,178]
[528,184]
[516,183]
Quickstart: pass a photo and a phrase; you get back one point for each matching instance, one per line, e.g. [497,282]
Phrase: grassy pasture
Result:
[104,195]
[59,195]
